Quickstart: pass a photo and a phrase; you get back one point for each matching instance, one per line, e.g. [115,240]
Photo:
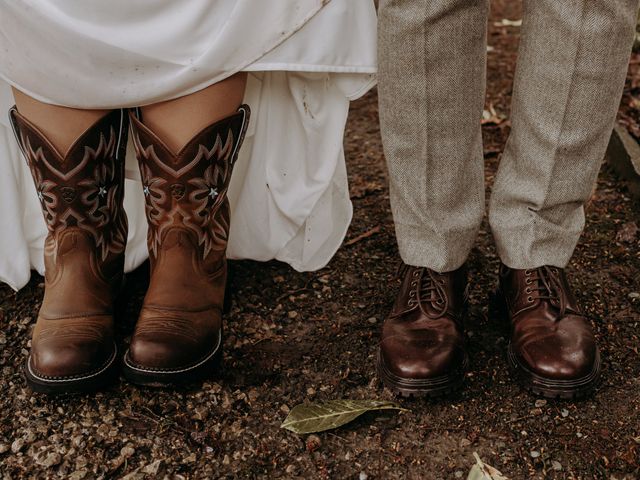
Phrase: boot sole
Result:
[90,382]
[422,387]
[574,389]
[206,368]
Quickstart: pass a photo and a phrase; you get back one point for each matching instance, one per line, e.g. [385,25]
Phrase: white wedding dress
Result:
[307,58]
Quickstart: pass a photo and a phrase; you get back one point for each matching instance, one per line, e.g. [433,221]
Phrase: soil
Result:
[297,337]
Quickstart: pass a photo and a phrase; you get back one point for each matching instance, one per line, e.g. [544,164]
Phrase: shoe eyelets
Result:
[439,302]
[529,281]
[412,293]
[528,290]
[530,299]
[416,274]
[528,272]
[411,303]
[414,283]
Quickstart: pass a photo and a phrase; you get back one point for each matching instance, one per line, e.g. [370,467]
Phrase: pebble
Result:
[363,476]
[465,442]
[556,465]
[634,296]
[50,460]
[292,314]
[534,454]
[458,473]
[372,320]
[564,412]
[540,403]
[17,445]
[4,447]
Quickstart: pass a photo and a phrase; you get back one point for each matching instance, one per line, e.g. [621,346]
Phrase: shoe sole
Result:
[206,368]
[574,389]
[76,384]
[423,387]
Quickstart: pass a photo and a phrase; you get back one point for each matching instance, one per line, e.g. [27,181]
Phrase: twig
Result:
[362,236]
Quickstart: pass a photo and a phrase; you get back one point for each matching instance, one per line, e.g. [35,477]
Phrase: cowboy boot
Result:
[178,337]
[81,194]
[422,348]
[553,350]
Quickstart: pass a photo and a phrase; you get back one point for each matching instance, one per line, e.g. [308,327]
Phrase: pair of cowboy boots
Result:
[552,348]
[178,336]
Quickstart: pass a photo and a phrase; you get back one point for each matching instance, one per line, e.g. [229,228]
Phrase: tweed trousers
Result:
[572,63]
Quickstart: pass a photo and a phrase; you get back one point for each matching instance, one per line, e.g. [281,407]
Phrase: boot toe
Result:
[424,359]
[71,360]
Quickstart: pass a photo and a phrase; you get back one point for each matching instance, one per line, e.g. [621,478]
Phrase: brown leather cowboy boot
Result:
[81,193]
[552,349]
[422,350]
[178,337]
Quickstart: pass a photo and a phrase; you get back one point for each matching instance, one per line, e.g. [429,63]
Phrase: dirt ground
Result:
[296,337]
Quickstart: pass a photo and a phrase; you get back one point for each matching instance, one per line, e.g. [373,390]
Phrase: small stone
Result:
[634,296]
[190,459]
[4,447]
[311,391]
[292,314]
[50,460]
[556,465]
[226,460]
[290,469]
[78,474]
[17,445]
[372,320]
[465,442]
[564,412]
[534,454]
[458,474]
[540,403]
[363,476]
[579,435]
[127,451]
[284,408]
[313,443]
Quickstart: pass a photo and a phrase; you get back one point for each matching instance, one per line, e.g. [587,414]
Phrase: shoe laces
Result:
[546,284]
[426,287]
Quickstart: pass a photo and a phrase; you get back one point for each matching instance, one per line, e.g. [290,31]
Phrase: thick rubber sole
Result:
[423,387]
[574,389]
[209,367]
[90,382]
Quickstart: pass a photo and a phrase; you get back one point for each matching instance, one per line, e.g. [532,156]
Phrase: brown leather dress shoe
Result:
[178,337]
[81,193]
[422,350]
[552,349]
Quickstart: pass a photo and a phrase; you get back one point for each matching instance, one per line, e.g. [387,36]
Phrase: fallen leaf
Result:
[482,471]
[505,22]
[490,116]
[321,416]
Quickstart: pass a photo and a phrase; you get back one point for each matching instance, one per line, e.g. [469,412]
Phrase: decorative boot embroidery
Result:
[192,193]
[88,194]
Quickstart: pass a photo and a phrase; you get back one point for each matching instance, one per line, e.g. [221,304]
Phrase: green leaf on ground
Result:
[321,416]
[482,471]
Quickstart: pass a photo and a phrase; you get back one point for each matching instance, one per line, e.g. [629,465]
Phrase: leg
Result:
[432,76]
[178,337]
[81,192]
[177,121]
[569,80]
[432,57]
[573,60]
[49,119]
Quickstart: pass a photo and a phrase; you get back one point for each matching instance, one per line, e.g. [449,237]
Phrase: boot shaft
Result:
[83,189]
[188,190]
